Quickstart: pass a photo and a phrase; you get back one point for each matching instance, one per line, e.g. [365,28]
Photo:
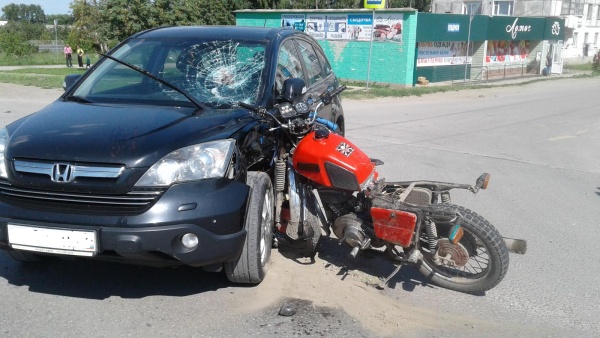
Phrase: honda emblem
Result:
[62,173]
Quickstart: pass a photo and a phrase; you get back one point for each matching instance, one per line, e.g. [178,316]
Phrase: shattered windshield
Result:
[217,73]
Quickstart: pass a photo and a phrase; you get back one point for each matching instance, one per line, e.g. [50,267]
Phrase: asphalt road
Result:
[537,141]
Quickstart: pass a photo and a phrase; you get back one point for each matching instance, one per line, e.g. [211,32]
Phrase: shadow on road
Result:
[374,264]
[100,280]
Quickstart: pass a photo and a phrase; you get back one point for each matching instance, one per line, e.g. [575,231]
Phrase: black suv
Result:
[147,156]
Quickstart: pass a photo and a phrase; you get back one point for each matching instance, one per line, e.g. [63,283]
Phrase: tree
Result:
[14,37]
[22,12]
[123,18]
[61,19]
[86,29]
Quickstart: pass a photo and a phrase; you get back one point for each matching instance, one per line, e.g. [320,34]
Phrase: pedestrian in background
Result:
[87,61]
[80,56]
[68,51]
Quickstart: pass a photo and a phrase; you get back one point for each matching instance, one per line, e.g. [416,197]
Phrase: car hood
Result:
[134,136]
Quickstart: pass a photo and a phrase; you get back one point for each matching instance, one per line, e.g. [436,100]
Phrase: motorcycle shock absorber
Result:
[431,235]
[280,175]
[446,197]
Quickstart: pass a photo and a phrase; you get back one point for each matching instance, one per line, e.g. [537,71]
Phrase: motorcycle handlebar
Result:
[330,125]
[248,106]
[338,90]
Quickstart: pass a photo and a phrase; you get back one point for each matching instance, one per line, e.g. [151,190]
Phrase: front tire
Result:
[251,267]
[487,255]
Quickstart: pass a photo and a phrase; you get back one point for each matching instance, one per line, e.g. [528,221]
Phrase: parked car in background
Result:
[148,156]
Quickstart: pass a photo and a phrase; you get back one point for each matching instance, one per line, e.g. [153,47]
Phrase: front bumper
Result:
[213,210]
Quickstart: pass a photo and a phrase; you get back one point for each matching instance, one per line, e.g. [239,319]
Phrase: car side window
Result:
[311,62]
[327,70]
[288,64]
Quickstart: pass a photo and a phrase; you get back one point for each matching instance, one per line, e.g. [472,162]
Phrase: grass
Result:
[41,59]
[38,77]
[33,59]
[357,90]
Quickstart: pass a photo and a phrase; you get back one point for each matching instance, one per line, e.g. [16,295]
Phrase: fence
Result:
[468,74]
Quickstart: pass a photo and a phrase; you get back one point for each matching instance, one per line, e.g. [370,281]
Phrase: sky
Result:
[49,6]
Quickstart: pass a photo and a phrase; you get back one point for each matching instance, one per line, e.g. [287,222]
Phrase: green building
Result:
[399,45]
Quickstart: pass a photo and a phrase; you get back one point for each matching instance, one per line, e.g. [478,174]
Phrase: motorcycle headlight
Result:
[197,162]
[3,144]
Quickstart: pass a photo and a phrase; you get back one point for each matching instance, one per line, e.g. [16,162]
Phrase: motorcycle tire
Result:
[252,266]
[483,244]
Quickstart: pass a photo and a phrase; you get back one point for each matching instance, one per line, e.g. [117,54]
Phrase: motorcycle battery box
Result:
[394,226]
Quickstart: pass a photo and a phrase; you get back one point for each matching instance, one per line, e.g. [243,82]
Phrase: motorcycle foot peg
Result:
[354,252]
[415,256]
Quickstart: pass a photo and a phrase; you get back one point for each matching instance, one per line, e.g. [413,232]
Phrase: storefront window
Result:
[504,7]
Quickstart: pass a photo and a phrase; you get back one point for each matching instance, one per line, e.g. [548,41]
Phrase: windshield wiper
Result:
[79,99]
[191,98]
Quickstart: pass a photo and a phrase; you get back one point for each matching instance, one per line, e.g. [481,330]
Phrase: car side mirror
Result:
[292,89]
[70,80]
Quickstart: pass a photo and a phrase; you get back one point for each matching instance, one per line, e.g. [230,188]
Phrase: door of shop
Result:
[557,61]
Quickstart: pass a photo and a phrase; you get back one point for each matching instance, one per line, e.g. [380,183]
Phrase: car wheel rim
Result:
[266,229]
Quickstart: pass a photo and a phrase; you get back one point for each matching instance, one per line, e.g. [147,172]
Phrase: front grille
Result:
[135,200]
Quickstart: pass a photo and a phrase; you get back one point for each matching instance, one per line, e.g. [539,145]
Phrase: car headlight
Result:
[3,144]
[200,161]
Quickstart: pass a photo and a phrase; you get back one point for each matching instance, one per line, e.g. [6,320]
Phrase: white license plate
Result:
[56,241]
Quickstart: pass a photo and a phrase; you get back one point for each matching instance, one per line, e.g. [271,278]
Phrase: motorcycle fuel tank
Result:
[332,161]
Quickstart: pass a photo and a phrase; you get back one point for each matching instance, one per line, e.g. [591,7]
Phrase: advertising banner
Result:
[388,27]
[293,20]
[507,51]
[337,27]
[360,26]
[443,53]
[315,26]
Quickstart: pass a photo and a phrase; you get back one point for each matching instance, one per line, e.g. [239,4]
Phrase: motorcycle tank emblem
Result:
[308,167]
[345,149]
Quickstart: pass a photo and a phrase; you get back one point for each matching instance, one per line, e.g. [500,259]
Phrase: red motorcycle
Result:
[323,183]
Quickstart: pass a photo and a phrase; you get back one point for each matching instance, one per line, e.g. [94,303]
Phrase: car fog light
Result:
[189,240]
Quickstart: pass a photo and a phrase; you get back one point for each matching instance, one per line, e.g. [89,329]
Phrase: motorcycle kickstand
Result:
[382,285]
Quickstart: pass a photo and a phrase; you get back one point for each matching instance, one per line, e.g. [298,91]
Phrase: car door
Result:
[317,75]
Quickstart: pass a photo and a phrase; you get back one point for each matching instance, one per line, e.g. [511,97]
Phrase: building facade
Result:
[582,18]
[399,45]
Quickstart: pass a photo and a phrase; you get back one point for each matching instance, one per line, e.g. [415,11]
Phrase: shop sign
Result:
[453,27]
[515,28]
[443,53]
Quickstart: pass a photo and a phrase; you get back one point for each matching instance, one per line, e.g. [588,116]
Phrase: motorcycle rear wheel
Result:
[487,256]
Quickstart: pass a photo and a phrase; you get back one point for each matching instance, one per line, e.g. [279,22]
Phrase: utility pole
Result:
[56,38]
[471,15]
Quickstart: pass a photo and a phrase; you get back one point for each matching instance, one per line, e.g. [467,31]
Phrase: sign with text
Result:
[360,26]
[374,3]
[293,20]
[337,27]
[315,26]
[443,53]
[388,27]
